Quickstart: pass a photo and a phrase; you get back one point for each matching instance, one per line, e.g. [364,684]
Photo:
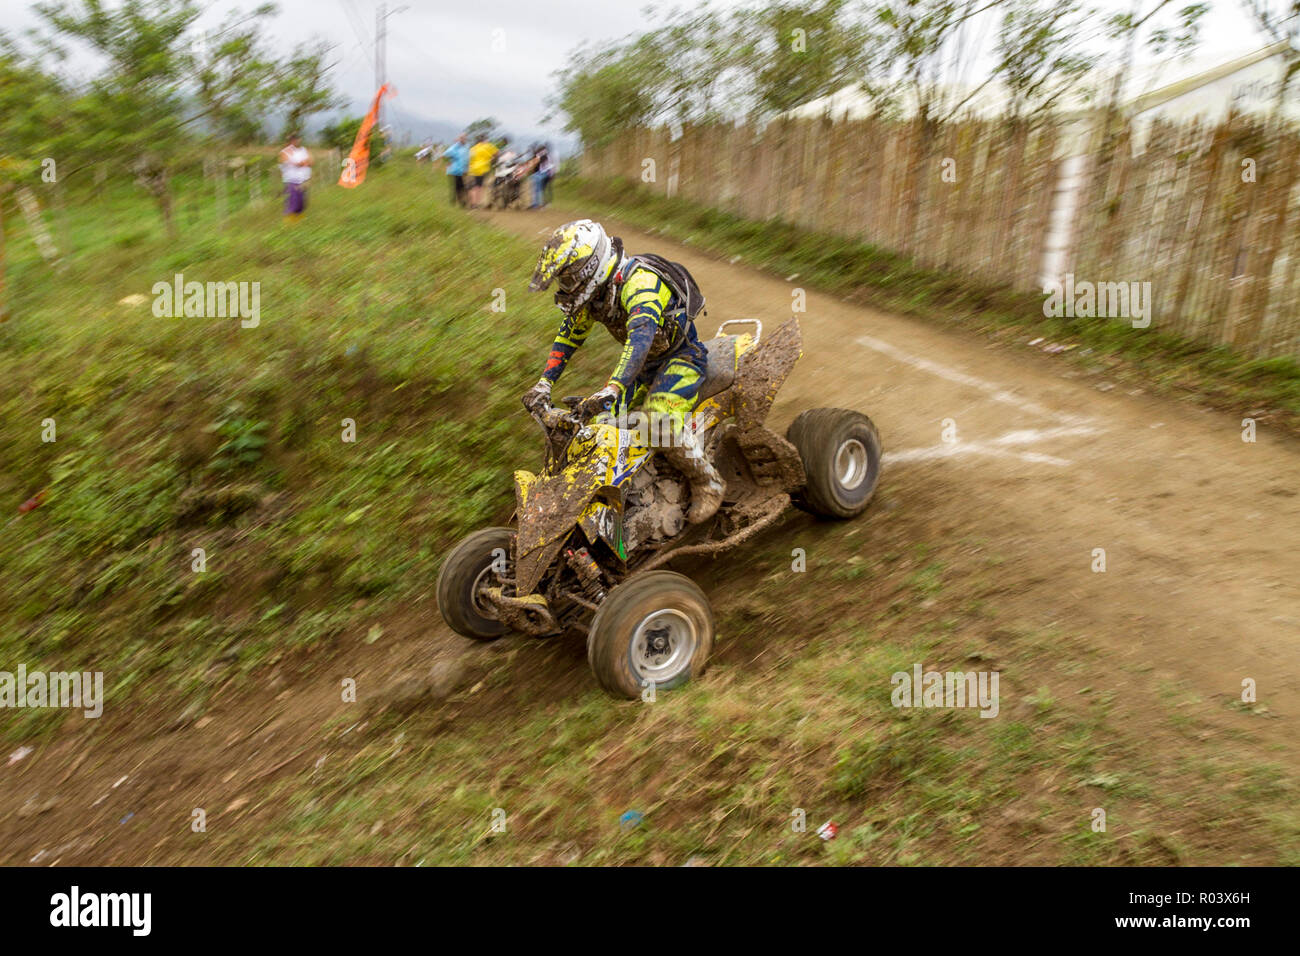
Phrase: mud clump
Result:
[410,691]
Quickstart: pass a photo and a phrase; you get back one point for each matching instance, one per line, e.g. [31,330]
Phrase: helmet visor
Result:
[570,281]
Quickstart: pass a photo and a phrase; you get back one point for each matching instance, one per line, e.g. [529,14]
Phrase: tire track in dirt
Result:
[123,791]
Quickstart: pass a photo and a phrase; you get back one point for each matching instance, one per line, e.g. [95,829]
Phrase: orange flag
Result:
[354,167]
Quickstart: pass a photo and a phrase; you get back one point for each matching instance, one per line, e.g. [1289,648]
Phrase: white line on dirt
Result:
[999,447]
[1028,436]
[970,448]
[996,392]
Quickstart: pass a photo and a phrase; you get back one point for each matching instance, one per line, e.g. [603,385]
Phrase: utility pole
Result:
[381,37]
[381,51]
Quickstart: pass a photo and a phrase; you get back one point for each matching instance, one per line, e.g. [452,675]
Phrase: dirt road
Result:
[1200,529]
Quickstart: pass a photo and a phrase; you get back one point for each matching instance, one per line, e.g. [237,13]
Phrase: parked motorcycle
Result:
[507,182]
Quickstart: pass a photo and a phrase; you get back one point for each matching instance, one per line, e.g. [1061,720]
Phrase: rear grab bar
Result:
[755,322]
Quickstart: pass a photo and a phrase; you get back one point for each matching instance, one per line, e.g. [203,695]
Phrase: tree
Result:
[342,135]
[486,127]
[919,51]
[911,56]
[1148,23]
[605,93]
[303,80]
[1280,21]
[160,88]
[1039,54]
[801,51]
[137,97]
[37,112]
[236,76]
[694,63]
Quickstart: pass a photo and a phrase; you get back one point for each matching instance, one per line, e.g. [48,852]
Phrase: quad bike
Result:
[507,184]
[592,531]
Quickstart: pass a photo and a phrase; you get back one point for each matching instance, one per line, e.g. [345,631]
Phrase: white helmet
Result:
[579,256]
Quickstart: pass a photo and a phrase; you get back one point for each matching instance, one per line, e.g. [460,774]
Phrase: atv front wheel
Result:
[464,575]
[841,452]
[655,628]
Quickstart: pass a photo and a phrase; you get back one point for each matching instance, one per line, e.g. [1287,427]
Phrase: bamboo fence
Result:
[1209,215]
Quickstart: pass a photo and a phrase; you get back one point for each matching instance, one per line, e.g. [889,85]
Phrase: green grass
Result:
[180,433]
[889,280]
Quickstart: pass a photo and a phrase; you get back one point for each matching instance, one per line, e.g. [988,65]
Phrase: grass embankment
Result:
[1269,388]
[175,434]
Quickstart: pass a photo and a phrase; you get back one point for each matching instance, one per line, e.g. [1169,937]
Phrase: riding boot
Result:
[707,485]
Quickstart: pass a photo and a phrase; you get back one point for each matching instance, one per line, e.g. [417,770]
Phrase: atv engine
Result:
[655,505]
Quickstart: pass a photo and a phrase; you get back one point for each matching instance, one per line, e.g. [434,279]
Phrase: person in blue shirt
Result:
[457,155]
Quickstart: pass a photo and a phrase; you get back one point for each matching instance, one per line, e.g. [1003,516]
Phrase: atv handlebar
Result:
[552,417]
[556,422]
[558,426]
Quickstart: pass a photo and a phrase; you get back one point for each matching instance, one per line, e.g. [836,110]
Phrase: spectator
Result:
[457,156]
[481,155]
[528,162]
[295,171]
[544,172]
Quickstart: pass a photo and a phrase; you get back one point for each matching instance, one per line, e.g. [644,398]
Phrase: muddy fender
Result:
[762,371]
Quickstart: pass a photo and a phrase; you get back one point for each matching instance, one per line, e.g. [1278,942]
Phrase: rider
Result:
[649,304]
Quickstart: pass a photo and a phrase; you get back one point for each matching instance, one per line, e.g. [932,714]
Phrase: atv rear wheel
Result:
[655,628]
[841,452]
[465,573]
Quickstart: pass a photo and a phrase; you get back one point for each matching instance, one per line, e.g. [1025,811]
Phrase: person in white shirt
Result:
[295,171]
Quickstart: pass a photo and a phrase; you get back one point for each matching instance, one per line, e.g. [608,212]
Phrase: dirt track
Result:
[1201,530]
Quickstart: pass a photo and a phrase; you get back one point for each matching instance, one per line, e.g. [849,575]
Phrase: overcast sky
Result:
[446,61]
